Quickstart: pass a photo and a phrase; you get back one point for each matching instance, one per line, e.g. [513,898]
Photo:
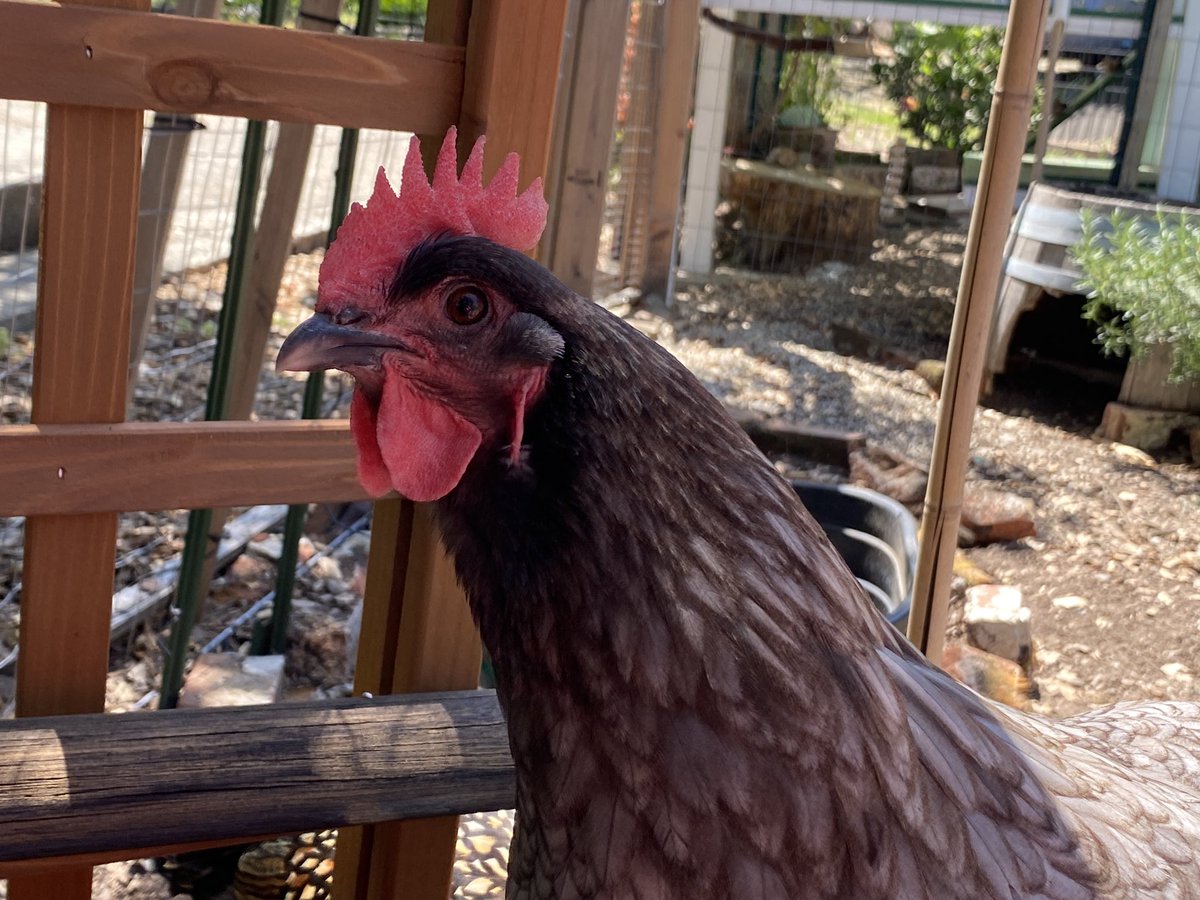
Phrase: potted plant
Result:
[1141,276]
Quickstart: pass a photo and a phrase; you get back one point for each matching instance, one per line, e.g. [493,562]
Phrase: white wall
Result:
[1180,173]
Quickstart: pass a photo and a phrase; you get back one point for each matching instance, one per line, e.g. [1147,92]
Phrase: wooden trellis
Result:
[487,66]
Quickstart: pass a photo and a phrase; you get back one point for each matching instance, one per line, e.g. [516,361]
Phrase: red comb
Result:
[374,239]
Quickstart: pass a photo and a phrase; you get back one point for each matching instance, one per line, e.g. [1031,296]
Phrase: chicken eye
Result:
[466,305]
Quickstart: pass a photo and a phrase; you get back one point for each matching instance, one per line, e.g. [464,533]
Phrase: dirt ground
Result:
[1112,576]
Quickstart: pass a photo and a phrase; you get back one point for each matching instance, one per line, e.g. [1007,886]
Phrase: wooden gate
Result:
[68,783]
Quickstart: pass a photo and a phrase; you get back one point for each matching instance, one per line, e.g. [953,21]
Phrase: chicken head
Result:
[445,362]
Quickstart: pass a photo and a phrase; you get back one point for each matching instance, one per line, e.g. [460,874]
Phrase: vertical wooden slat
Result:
[162,170]
[681,39]
[417,633]
[583,140]
[85,276]
[512,74]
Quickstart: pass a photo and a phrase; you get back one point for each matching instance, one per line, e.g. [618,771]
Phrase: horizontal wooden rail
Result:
[120,787]
[141,60]
[50,469]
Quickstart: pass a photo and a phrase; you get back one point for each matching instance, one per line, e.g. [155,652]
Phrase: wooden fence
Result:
[488,66]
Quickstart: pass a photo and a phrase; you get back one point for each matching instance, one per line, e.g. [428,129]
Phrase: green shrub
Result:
[942,78]
[1143,285]
[808,81]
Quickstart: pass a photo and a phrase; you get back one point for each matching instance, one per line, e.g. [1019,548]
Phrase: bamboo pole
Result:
[982,265]
[1043,133]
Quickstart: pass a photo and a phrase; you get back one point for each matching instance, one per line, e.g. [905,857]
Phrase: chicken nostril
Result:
[349,316]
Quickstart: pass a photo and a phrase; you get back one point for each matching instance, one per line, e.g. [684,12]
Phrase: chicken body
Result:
[701,701]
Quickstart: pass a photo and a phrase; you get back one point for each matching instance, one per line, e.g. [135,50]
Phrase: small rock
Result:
[230,679]
[1132,455]
[479,887]
[268,546]
[1070,601]
[327,567]
[997,515]
[998,622]
[993,676]
[306,550]
[1176,670]
[932,372]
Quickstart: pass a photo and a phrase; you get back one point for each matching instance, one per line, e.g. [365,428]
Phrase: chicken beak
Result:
[320,344]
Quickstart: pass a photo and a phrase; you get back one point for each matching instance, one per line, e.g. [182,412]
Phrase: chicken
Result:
[701,702]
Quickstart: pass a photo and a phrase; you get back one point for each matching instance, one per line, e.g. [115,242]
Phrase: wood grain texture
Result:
[417,635]
[173,465]
[513,58]
[134,60]
[115,784]
[85,280]
[681,39]
[584,123]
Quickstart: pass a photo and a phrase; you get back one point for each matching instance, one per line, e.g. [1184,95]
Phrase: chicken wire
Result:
[805,141]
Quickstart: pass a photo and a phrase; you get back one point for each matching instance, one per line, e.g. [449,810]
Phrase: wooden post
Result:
[677,69]
[1149,68]
[1043,133]
[417,632]
[583,139]
[982,267]
[88,231]
[166,150]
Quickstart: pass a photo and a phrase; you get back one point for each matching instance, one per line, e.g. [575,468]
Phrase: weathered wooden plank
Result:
[113,785]
[136,60]
[173,465]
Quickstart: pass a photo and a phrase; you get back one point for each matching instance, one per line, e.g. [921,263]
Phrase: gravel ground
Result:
[1113,575]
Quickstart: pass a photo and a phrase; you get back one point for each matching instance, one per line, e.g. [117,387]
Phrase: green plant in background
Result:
[808,81]
[1143,285]
[942,78]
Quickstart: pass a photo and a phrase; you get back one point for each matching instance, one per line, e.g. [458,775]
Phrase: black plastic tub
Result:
[875,535]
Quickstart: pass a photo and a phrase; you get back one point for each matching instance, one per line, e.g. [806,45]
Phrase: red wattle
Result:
[424,445]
